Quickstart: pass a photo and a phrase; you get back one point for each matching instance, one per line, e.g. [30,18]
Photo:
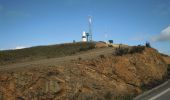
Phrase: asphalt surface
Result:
[165,96]
[161,92]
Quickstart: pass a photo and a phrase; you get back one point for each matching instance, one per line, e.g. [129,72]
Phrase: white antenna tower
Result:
[90,29]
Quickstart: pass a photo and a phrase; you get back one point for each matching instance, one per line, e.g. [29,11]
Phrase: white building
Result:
[84,37]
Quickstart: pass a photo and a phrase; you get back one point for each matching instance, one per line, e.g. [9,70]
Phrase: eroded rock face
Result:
[30,85]
[105,77]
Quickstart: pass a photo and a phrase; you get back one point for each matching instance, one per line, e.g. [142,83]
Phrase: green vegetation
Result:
[41,52]
[128,50]
[101,56]
[125,97]
[108,95]
[148,45]
[87,46]
[152,84]
[164,55]
[110,45]
[168,71]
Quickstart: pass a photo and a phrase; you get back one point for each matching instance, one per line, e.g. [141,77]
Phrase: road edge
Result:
[147,92]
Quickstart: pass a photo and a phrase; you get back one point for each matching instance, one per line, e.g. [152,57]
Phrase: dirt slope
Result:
[167,59]
[92,75]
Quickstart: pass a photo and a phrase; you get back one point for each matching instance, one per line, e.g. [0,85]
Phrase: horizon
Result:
[41,22]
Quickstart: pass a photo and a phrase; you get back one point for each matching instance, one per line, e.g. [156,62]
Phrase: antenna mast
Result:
[90,28]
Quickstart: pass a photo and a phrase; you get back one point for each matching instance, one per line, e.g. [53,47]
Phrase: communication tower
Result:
[90,38]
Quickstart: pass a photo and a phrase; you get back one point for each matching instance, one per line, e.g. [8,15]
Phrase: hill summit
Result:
[100,73]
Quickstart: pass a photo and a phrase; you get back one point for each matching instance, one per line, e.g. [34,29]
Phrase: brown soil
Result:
[167,60]
[92,75]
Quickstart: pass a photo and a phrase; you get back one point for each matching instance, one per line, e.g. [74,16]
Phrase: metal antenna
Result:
[90,28]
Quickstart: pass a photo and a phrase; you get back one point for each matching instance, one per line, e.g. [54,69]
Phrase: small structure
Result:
[84,37]
[110,41]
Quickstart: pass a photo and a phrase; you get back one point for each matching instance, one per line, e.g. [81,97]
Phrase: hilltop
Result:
[43,52]
[105,73]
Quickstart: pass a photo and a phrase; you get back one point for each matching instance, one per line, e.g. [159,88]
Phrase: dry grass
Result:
[43,52]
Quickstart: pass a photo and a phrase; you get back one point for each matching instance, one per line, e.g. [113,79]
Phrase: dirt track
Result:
[57,61]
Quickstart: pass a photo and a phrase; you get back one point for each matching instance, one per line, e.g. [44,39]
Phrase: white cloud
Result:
[15,48]
[19,47]
[163,36]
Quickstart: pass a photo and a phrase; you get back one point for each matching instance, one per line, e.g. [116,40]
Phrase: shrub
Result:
[168,71]
[110,45]
[20,98]
[102,56]
[148,45]
[136,49]
[108,95]
[87,46]
[121,51]
[152,84]
[52,73]
[79,58]
[125,97]
[128,50]
[164,55]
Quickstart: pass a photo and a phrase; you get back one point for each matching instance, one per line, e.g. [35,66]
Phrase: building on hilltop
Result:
[84,37]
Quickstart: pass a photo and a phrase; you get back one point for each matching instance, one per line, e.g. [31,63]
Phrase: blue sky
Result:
[25,23]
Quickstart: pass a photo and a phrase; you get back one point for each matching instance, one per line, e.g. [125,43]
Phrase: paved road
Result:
[165,95]
[57,61]
[161,92]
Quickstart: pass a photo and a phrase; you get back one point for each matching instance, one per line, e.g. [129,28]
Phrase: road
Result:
[57,61]
[161,92]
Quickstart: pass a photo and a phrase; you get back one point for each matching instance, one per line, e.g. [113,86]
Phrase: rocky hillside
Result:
[106,77]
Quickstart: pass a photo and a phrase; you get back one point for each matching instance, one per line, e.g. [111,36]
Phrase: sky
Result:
[26,23]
